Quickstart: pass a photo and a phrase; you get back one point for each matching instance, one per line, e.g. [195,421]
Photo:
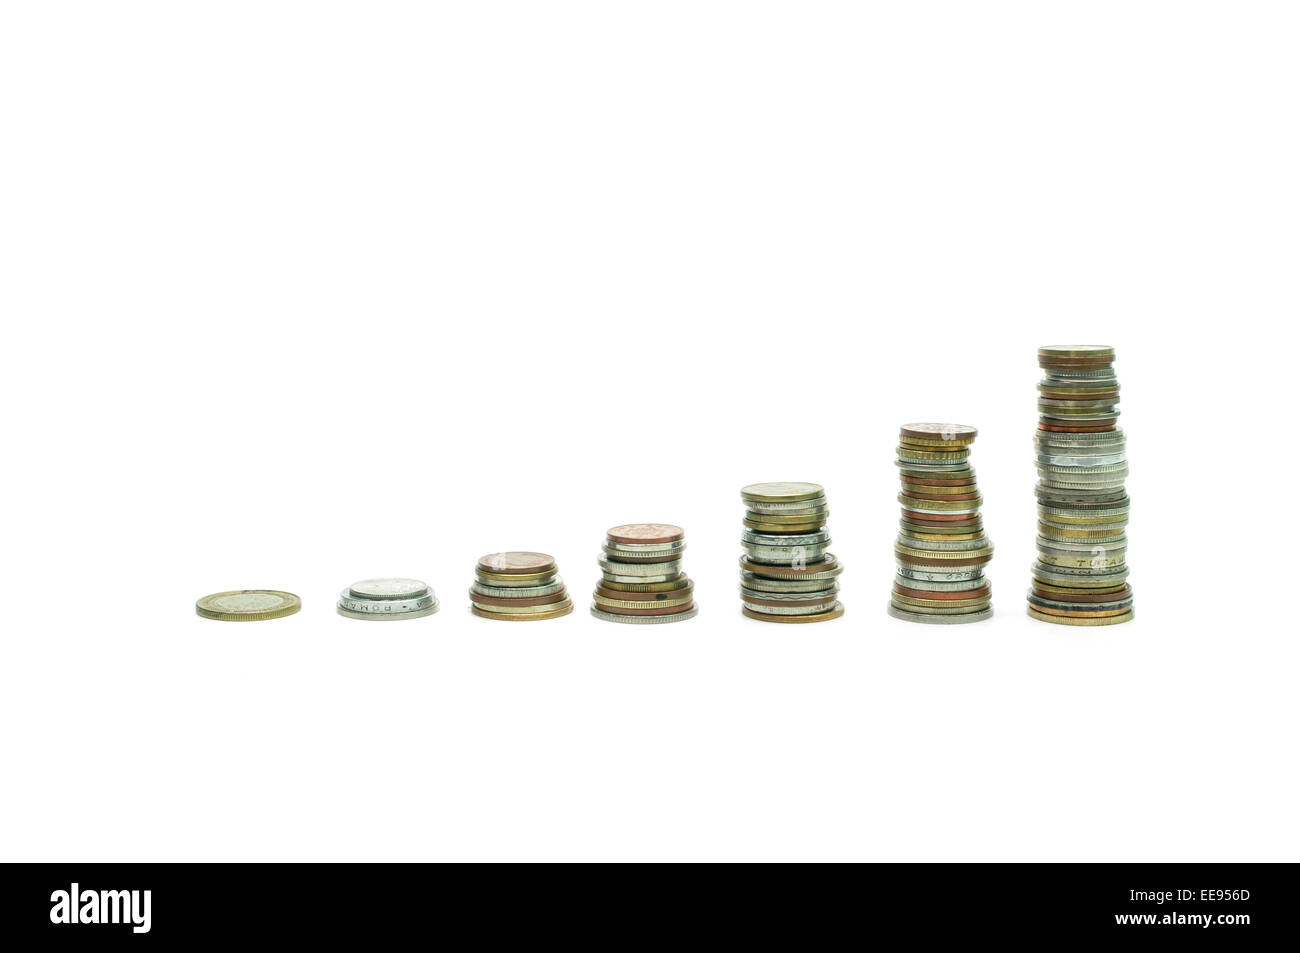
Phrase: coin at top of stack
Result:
[941,550]
[1081,575]
[787,573]
[519,587]
[642,581]
[389,598]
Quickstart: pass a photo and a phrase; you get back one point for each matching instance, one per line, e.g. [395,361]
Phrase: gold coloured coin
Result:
[1125,616]
[248,605]
[564,609]
[932,431]
[515,578]
[782,492]
[606,602]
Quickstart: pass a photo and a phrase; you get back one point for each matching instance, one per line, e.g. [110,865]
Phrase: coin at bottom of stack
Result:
[248,605]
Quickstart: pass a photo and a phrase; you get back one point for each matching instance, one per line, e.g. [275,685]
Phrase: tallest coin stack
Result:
[1080,577]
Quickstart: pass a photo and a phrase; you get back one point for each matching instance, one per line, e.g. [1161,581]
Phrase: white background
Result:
[296,294]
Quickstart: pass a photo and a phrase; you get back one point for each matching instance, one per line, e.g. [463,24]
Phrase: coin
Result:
[248,605]
[679,581]
[607,603]
[908,616]
[825,568]
[833,613]
[563,609]
[516,563]
[394,588]
[646,533]
[515,580]
[644,619]
[781,492]
[1093,352]
[1126,616]
[521,592]
[645,556]
[942,431]
[511,602]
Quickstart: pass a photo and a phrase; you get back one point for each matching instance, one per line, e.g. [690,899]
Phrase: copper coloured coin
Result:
[933,481]
[923,516]
[511,563]
[646,533]
[1056,428]
[942,497]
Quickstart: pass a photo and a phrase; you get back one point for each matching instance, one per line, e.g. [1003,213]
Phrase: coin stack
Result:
[376,599]
[519,587]
[786,573]
[641,576]
[1080,577]
[941,550]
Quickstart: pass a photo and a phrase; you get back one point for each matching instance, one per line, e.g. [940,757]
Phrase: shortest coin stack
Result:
[248,605]
[642,579]
[519,587]
[374,599]
[787,574]
[941,549]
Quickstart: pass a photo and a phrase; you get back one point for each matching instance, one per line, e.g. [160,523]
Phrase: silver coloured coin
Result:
[960,585]
[663,556]
[373,609]
[944,545]
[957,619]
[1104,438]
[660,577]
[641,570]
[1081,546]
[784,555]
[930,469]
[747,594]
[388,588]
[690,613]
[518,592]
[645,549]
[813,506]
[1100,574]
[939,575]
[1050,460]
[791,610]
[819,538]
